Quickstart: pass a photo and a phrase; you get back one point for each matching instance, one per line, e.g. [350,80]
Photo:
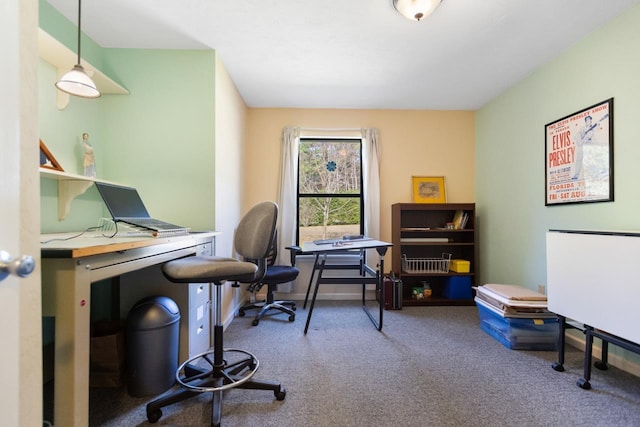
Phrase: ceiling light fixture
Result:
[416,9]
[77,82]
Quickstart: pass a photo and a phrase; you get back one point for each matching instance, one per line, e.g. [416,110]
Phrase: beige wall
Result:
[428,143]
[230,124]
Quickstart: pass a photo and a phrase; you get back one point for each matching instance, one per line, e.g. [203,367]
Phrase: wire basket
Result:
[426,265]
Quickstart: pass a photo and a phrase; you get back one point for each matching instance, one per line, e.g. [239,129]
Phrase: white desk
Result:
[68,269]
[374,276]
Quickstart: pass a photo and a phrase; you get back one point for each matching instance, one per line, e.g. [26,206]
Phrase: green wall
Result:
[159,138]
[510,152]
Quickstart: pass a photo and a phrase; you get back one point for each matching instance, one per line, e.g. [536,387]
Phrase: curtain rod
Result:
[331,129]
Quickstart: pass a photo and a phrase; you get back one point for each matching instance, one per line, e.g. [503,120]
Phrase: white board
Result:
[594,279]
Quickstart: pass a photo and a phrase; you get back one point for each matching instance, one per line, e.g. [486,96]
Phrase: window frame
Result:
[360,195]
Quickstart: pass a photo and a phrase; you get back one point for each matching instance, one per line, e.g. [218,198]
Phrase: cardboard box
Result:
[107,358]
[460,266]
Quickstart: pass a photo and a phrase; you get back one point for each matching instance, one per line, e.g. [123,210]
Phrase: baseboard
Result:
[338,296]
[622,363]
[355,296]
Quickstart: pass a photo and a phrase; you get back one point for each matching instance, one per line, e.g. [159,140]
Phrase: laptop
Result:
[125,205]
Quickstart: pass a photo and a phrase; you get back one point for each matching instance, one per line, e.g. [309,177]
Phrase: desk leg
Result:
[379,284]
[67,297]
[313,272]
[588,350]
[379,293]
[559,365]
[315,291]
[604,357]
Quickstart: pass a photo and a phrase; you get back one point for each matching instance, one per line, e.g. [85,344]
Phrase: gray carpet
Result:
[430,366]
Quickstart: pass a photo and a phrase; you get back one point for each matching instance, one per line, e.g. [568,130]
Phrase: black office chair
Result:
[274,276]
[230,368]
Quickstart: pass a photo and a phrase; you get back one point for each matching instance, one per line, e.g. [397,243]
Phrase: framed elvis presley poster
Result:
[579,156]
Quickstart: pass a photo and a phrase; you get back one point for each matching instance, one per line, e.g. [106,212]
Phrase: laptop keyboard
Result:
[155,224]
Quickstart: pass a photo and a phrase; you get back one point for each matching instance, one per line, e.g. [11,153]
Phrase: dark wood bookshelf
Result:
[419,232]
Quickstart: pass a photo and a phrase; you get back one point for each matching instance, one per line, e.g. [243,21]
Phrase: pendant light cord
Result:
[79,26]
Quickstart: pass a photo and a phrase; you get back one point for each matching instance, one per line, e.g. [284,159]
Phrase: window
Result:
[330,199]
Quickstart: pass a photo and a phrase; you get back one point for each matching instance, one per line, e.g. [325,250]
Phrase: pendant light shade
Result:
[416,9]
[77,82]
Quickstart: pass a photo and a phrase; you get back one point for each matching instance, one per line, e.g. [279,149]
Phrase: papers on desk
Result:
[344,245]
[339,242]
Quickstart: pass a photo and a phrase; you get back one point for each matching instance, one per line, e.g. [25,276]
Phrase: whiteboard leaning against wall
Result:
[593,277]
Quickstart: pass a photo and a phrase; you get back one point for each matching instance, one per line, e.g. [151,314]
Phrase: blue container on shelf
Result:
[457,287]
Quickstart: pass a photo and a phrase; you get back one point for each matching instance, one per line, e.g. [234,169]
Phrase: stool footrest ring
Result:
[230,375]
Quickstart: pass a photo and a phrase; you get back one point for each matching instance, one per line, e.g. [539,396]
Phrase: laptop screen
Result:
[122,202]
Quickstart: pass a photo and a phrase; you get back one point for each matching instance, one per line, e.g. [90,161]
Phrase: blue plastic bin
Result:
[520,333]
[457,287]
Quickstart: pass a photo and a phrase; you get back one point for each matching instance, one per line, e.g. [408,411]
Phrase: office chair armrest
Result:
[293,251]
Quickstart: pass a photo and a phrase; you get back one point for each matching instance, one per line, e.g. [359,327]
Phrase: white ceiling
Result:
[355,53]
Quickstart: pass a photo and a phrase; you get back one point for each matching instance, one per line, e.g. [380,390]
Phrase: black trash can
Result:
[152,337]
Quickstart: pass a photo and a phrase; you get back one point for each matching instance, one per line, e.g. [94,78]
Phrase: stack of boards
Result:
[517,317]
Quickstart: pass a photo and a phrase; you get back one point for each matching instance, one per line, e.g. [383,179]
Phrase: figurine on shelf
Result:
[89,162]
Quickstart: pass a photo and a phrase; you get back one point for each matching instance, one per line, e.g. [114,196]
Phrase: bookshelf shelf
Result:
[419,230]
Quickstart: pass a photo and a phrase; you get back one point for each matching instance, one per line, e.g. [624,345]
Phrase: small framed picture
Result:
[47,160]
[428,189]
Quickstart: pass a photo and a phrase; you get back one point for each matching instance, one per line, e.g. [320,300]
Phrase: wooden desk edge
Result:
[120,244]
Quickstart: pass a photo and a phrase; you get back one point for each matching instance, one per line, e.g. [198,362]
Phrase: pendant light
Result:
[77,82]
[416,9]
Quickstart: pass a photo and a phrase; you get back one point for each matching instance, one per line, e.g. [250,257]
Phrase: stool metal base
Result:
[201,374]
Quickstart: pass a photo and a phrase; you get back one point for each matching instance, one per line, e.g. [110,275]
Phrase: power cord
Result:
[61,239]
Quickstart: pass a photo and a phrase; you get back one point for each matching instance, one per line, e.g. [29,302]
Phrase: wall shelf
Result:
[63,58]
[70,186]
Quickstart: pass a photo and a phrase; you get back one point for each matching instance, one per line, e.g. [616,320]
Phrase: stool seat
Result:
[209,269]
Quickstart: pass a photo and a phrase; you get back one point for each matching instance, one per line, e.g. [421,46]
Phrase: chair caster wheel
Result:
[280,394]
[583,384]
[255,322]
[240,313]
[292,318]
[293,307]
[154,416]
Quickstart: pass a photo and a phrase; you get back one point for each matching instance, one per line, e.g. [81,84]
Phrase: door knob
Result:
[21,267]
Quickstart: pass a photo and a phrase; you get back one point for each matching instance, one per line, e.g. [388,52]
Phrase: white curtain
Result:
[371,176]
[287,198]
[371,190]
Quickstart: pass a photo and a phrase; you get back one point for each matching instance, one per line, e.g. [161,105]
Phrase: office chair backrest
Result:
[255,231]
[272,255]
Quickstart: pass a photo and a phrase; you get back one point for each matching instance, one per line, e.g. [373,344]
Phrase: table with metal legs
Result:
[366,274]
